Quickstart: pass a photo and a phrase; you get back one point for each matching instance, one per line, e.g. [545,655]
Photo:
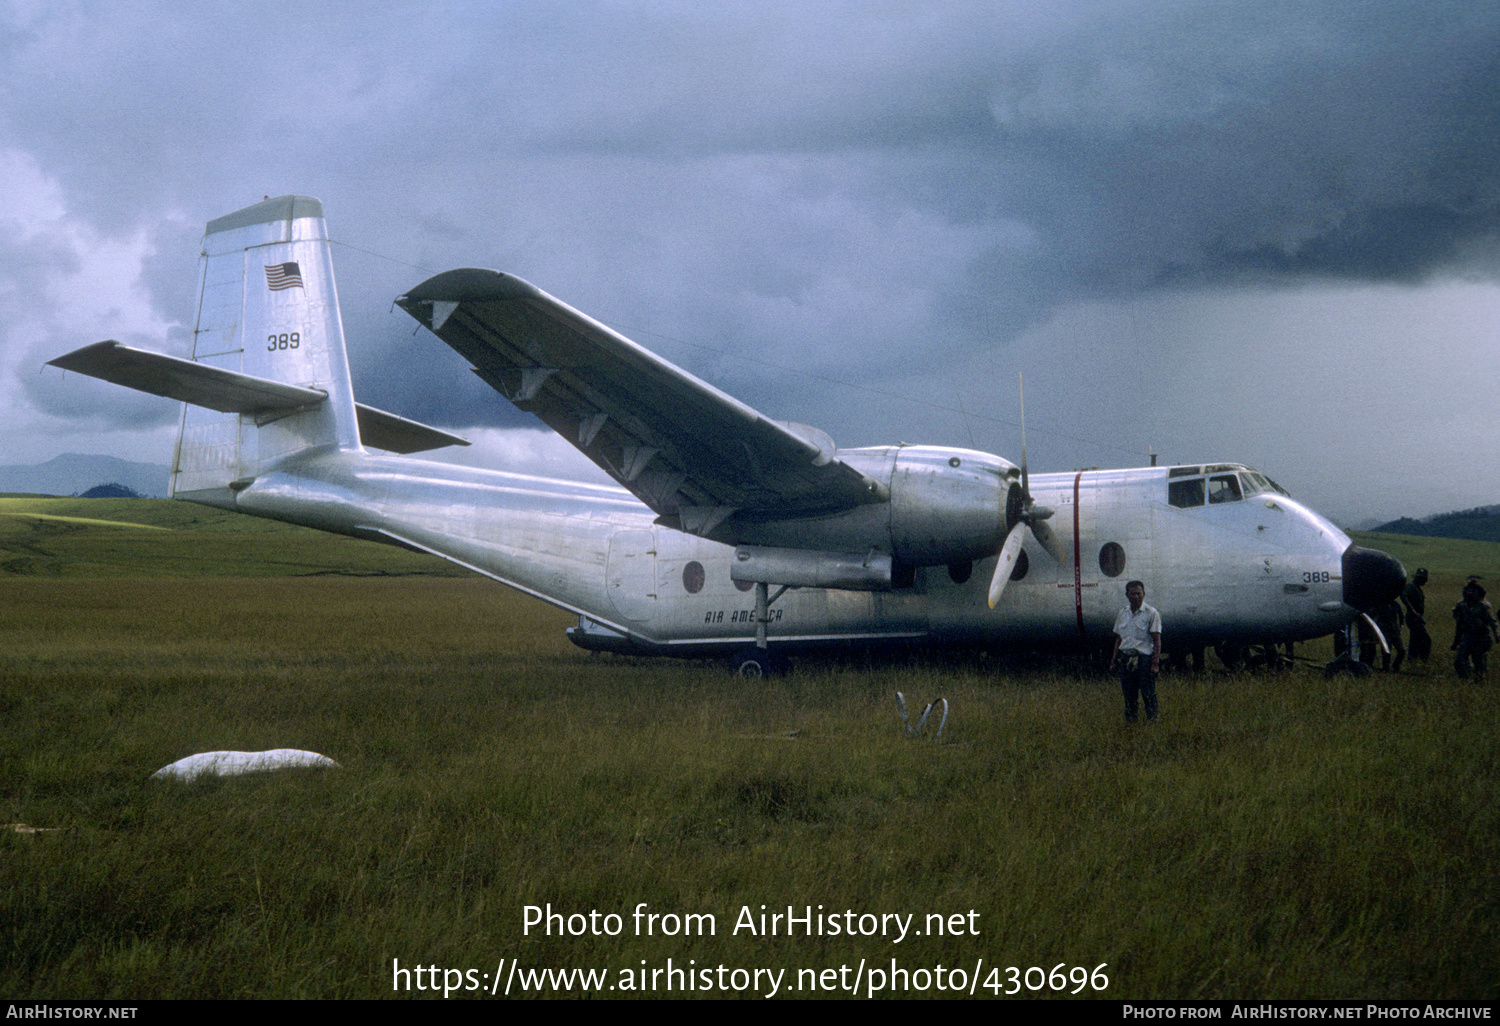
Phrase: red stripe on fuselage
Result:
[1077,567]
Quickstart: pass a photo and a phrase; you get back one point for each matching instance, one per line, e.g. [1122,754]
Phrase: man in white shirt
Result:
[1137,651]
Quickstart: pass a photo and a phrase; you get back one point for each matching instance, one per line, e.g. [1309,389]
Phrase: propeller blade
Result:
[1007,562]
[1047,538]
[1380,637]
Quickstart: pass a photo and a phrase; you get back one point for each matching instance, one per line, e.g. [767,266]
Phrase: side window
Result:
[1224,489]
[1185,493]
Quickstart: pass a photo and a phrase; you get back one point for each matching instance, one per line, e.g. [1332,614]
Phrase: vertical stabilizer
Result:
[267,307]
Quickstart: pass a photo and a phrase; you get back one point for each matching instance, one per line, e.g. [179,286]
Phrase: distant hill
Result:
[72,474]
[1481,523]
[111,491]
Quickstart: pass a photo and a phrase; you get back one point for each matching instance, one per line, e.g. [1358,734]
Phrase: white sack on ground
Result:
[224,764]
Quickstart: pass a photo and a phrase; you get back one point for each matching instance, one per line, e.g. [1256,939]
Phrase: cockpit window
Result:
[1220,486]
[1225,488]
[1185,493]
[1255,482]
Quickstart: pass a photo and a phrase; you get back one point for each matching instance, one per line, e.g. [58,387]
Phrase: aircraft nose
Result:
[1371,578]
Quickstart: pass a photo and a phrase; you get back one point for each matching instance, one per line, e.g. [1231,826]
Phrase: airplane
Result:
[716,504]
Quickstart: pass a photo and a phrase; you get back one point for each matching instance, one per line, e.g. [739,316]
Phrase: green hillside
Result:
[165,538]
[1451,558]
[1479,524]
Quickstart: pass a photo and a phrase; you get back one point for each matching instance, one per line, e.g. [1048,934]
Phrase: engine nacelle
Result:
[852,571]
[948,505]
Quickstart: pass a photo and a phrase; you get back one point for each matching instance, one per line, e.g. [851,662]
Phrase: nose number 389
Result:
[1315,576]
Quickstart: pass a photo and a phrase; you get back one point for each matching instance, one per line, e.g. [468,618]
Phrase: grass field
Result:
[1273,836]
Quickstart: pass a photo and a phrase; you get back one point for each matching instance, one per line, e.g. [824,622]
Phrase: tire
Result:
[1344,666]
[753,663]
[1267,656]
[1231,654]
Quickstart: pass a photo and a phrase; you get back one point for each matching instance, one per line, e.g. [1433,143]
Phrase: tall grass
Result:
[1272,836]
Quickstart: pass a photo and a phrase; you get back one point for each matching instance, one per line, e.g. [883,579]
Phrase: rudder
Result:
[267,307]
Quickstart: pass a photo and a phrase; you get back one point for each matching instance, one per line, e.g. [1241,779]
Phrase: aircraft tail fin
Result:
[269,377]
[267,310]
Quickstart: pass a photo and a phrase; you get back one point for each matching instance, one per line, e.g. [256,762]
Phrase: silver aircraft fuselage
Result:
[717,503]
[1258,567]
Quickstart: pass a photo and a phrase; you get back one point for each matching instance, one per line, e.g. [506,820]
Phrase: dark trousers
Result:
[1421,641]
[1136,678]
[1472,651]
[1392,660]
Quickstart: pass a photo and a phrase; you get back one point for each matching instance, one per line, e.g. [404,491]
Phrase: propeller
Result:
[1021,511]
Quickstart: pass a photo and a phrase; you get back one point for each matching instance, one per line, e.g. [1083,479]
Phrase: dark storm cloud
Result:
[1287,143]
[839,190]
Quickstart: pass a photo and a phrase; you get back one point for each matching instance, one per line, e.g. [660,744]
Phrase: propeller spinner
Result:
[1021,511]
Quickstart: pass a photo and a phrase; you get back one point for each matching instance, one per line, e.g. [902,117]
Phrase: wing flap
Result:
[674,440]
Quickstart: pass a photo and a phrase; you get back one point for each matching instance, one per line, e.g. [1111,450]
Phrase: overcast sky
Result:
[1260,232]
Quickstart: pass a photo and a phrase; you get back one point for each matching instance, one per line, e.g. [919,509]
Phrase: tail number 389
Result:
[287,340]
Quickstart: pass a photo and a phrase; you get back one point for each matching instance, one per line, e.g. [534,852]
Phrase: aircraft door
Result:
[1185,574]
[1123,542]
[630,577]
[1081,539]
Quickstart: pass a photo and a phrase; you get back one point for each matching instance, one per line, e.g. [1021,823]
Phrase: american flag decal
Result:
[284,276]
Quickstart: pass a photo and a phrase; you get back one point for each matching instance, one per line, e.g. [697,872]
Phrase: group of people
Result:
[1474,629]
[1137,648]
[1410,612]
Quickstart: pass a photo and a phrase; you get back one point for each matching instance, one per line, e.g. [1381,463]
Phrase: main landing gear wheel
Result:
[758,662]
[1178,659]
[1344,666]
[1231,654]
[1267,655]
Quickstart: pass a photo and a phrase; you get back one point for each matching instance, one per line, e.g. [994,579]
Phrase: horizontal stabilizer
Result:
[197,383]
[387,431]
[231,392]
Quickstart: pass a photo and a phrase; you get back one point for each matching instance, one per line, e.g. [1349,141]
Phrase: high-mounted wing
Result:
[683,447]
